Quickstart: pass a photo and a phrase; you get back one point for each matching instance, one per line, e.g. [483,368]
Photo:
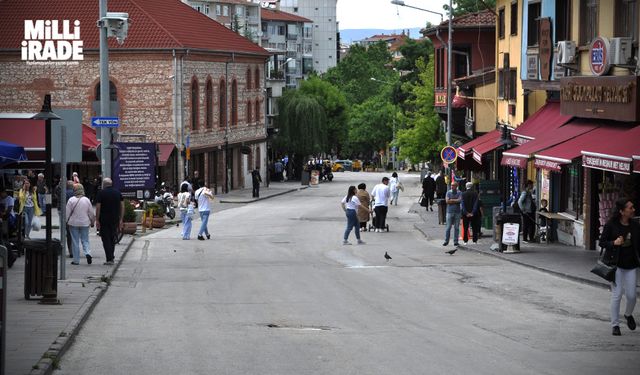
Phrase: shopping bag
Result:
[35,224]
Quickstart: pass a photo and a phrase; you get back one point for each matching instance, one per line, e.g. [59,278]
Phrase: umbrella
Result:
[10,153]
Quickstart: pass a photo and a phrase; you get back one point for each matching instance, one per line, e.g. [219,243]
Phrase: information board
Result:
[134,167]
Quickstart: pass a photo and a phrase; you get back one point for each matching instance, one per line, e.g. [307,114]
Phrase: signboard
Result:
[72,121]
[134,167]
[611,98]
[448,154]
[532,66]
[599,56]
[606,162]
[510,233]
[545,48]
[547,164]
[511,160]
[105,122]
[315,177]
[469,126]
[440,98]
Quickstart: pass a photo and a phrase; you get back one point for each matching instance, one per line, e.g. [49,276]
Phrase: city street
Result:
[275,292]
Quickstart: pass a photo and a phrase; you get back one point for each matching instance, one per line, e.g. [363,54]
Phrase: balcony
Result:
[292,36]
[276,75]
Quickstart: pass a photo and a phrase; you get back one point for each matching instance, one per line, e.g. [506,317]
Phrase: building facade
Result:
[241,16]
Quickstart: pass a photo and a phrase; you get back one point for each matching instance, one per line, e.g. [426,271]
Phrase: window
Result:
[501,84]
[460,68]
[440,68]
[222,104]
[281,30]
[225,10]
[257,111]
[513,84]
[218,10]
[507,84]
[239,11]
[563,20]
[113,93]
[206,9]
[501,23]
[513,28]
[209,104]
[572,189]
[588,21]
[626,17]
[194,104]
[257,82]
[249,119]
[532,24]
[248,78]
[234,102]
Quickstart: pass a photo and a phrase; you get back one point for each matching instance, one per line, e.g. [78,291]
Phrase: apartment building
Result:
[241,16]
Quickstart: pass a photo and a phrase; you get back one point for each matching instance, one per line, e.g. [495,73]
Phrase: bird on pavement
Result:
[451,252]
[387,256]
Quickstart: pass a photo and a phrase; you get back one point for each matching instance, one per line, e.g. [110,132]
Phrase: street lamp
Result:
[393,141]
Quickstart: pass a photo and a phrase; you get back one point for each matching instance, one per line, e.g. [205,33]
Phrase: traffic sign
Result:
[105,122]
[449,154]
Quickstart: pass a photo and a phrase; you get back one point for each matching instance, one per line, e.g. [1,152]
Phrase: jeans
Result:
[528,227]
[108,233]
[381,216]
[79,234]
[186,225]
[352,223]
[41,202]
[28,218]
[453,219]
[204,215]
[394,197]
[625,281]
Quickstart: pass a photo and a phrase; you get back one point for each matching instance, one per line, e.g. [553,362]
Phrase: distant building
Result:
[241,16]
[393,42]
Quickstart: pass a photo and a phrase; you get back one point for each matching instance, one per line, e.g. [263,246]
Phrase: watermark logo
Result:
[52,42]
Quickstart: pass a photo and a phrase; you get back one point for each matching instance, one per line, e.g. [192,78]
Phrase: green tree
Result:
[461,7]
[370,125]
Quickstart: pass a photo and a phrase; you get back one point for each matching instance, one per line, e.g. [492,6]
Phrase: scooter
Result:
[165,200]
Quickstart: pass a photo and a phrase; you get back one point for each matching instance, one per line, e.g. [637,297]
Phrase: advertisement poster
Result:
[134,167]
[510,233]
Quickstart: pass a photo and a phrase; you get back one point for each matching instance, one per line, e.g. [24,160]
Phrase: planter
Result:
[129,228]
[156,222]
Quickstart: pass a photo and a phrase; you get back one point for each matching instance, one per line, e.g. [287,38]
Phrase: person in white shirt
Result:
[185,205]
[380,195]
[350,205]
[394,187]
[80,217]
[203,195]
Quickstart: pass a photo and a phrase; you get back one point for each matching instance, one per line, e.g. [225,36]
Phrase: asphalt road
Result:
[275,292]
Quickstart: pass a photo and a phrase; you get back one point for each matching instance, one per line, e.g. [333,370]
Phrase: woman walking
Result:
[394,186]
[364,212]
[185,205]
[28,199]
[621,241]
[350,204]
[80,217]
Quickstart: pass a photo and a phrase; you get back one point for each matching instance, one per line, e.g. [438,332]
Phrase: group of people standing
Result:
[195,195]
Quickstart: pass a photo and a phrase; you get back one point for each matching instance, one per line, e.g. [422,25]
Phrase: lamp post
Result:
[393,148]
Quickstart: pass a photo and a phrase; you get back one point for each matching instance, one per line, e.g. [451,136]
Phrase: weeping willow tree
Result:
[301,127]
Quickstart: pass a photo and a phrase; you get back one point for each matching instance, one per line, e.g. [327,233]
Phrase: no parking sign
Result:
[449,154]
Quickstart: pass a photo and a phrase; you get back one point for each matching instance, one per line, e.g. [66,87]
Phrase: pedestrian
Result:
[428,190]
[80,216]
[109,215]
[41,189]
[256,180]
[441,185]
[196,182]
[452,200]
[7,213]
[75,178]
[185,205]
[620,240]
[279,168]
[67,195]
[395,186]
[350,204]
[470,211]
[28,200]
[203,197]
[364,211]
[380,195]
[528,209]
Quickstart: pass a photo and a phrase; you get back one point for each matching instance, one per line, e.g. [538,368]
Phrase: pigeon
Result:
[386,256]
[451,252]
[174,250]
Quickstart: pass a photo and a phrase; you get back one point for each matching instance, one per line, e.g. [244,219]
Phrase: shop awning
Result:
[542,122]
[555,157]
[465,149]
[89,141]
[519,156]
[613,156]
[636,163]
[165,153]
[485,148]
[30,134]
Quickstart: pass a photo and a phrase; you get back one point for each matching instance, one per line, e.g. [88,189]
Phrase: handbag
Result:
[424,202]
[607,272]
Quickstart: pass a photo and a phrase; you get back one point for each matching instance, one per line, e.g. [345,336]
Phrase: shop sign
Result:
[513,161]
[461,153]
[599,56]
[440,98]
[611,98]
[606,162]
[532,66]
[636,163]
[547,164]
[477,157]
[469,126]
[545,48]
[510,233]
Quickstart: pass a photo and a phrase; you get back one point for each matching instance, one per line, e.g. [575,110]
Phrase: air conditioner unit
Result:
[620,51]
[566,52]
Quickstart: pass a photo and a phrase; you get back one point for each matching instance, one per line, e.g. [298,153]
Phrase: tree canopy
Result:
[461,7]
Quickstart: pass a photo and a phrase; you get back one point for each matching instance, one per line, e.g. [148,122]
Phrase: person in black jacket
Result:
[441,186]
[621,242]
[428,190]
[256,180]
[470,207]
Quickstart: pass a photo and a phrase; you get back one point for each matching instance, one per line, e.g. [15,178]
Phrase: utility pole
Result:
[105,132]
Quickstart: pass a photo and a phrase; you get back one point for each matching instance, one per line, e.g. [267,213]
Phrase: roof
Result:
[546,119]
[154,24]
[485,19]
[278,15]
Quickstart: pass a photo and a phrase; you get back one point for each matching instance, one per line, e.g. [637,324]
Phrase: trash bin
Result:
[41,268]
[305,178]
[508,218]
[442,211]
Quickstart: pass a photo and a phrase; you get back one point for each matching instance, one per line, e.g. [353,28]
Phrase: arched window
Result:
[234,102]
[222,104]
[249,119]
[209,104]
[257,111]
[194,104]
[257,80]
[113,92]
[248,78]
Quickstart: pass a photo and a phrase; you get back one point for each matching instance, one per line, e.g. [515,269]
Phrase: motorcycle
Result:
[165,200]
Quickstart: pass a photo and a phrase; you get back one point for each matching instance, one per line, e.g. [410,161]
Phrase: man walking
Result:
[528,208]
[256,180]
[429,189]
[109,214]
[470,208]
[203,196]
[381,195]
[453,199]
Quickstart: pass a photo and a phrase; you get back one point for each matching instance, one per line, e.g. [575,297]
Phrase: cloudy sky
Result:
[381,14]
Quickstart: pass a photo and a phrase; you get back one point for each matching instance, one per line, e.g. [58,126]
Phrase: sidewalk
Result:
[39,334]
[569,262]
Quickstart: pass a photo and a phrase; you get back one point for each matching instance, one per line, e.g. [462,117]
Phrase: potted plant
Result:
[155,216]
[129,218]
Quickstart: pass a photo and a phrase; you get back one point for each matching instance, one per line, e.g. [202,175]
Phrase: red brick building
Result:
[177,74]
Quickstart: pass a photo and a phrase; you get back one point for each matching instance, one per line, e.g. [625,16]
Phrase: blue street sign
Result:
[105,122]
[448,154]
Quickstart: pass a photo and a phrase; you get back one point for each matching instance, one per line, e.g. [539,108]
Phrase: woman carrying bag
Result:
[28,199]
[80,217]
[620,240]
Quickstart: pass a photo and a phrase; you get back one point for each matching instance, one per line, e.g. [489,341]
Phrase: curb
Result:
[49,360]
[262,198]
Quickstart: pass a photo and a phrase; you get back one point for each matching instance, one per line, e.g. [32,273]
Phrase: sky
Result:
[381,14]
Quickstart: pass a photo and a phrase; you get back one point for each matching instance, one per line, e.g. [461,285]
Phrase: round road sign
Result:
[449,154]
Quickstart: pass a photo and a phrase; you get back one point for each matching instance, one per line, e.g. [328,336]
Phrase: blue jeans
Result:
[41,202]
[186,225]
[394,198]
[79,234]
[352,223]
[204,215]
[453,219]
[28,218]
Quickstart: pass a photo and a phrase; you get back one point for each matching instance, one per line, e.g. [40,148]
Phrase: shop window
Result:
[572,190]
[513,17]
[248,78]
[209,104]
[223,103]
[234,102]
[563,20]
[626,17]
[588,21]
[532,23]
[501,23]
[194,104]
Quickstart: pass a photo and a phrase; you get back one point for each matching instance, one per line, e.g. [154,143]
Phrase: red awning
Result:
[519,156]
[484,148]
[466,148]
[555,157]
[89,141]
[613,156]
[30,134]
[165,153]
[546,119]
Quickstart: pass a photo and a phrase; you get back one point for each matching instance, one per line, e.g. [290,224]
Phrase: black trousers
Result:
[528,227]
[475,228]
[381,216]
[256,190]
[108,234]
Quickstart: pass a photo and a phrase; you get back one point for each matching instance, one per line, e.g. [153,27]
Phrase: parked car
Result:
[342,165]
